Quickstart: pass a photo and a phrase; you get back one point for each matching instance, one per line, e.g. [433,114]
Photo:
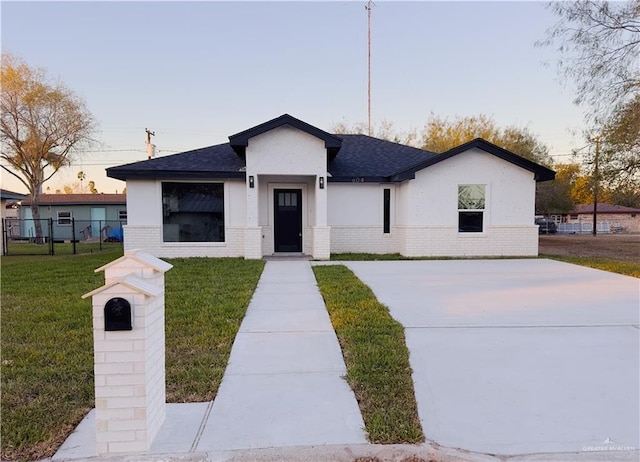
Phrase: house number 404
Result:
[357,180]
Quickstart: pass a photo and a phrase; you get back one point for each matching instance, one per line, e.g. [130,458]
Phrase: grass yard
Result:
[376,356]
[617,253]
[47,343]
[62,248]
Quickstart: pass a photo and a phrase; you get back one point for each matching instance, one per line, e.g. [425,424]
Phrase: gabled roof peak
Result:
[240,141]
[541,173]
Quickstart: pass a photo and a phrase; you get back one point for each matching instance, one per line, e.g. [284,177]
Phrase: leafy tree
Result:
[441,134]
[41,125]
[78,187]
[599,45]
[384,130]
[556,196]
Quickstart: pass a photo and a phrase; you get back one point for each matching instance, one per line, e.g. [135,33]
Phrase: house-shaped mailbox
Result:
[129,353]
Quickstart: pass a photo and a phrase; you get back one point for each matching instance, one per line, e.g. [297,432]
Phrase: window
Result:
[64,218]
[471,205]
[193,212]
[387,211]
[122,214]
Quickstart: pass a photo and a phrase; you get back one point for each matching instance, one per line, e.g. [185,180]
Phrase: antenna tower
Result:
[368,8]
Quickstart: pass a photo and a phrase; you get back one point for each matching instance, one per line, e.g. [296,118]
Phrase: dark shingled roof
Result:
[365,156]
[219,161]
[358,156]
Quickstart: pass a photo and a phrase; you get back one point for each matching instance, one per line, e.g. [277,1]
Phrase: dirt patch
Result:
[621,247]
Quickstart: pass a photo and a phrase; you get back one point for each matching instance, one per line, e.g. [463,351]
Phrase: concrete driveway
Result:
[518,356]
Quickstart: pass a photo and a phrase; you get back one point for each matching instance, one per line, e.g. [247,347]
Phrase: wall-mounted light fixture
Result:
[321,182]
[252,182]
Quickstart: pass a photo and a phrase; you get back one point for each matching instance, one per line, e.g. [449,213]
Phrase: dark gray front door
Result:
[288,220]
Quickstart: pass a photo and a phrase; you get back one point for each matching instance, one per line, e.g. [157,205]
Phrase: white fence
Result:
[603,227]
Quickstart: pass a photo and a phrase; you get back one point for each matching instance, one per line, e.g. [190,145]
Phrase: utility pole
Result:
[150,147]
[596,185]
[368,8]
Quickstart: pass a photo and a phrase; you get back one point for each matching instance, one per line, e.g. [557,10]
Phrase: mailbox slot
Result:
[117,314]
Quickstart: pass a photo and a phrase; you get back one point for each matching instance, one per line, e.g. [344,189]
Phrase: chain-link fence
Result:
[60,237]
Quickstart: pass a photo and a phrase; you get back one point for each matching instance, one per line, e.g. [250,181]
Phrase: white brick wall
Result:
[447,242]
[369,239]
[149,239]
[253,243]
[321,242]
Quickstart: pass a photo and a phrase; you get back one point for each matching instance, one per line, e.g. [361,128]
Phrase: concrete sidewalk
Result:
[283,385]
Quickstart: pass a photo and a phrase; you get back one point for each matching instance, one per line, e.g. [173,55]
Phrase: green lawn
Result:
[627,268]
[46,351]
[62,248]
[47,343]
[376,356]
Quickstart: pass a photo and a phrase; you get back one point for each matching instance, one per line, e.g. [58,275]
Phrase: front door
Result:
[287,220]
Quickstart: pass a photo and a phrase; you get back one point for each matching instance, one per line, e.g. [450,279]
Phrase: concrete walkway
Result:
[283,385]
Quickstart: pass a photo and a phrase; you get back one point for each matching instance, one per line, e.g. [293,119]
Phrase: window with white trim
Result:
[471,207]
[64,218]
[122,214]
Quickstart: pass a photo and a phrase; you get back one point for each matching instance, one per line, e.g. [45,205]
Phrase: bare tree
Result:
[41,125]
[599,45]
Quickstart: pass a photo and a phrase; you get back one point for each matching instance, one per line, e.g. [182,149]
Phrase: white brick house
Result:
[285,186]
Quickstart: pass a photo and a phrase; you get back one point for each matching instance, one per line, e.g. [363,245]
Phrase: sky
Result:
[197,72]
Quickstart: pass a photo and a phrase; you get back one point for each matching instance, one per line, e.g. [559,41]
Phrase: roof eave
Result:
[541,173]
[240,140]
[126,174]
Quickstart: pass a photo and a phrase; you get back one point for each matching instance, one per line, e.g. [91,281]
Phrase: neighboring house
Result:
[9,204]
[619,217]
[88,215]
[285,186]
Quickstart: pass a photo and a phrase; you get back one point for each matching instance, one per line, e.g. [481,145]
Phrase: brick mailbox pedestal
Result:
[129,353]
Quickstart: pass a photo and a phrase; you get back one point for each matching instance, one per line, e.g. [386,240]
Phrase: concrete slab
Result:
[286,272]
[181,429]
[501,293]
[278,410]
[286,352]
[293,299]
[526,390]
[290,321]
[179,433]
[518,356]
[82,442]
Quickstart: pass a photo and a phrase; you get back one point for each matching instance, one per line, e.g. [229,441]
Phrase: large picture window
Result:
[471,205]
[193,212]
